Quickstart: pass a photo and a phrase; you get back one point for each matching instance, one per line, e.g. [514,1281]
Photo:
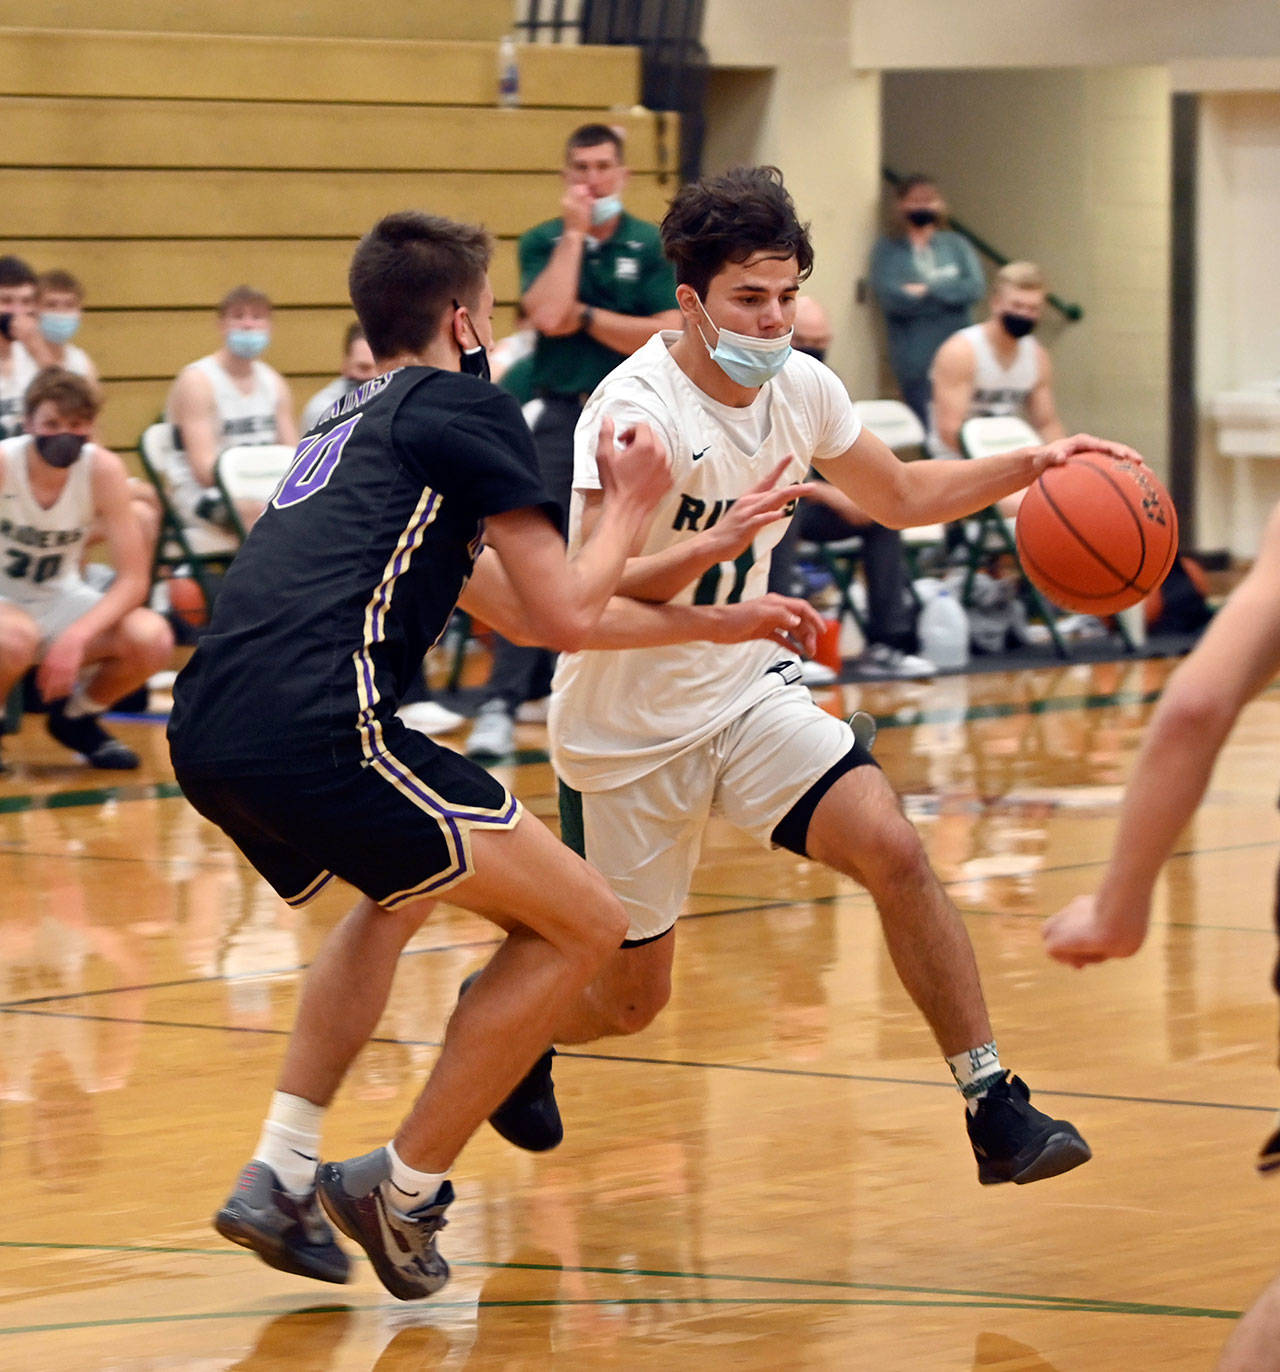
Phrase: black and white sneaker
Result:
[86,736]
[1013,1141]
[287,1232]
[359,1198]
[879,662]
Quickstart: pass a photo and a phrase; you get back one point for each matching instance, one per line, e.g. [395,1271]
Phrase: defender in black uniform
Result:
[284,734]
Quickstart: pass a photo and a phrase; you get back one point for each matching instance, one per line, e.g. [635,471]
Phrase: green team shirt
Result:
[626,273]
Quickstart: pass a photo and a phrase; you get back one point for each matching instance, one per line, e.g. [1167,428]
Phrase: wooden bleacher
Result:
[164,162]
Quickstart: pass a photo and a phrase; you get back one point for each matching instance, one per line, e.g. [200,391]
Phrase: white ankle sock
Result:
[80,702]
[411,1188]
[290,1141]
[976,1070]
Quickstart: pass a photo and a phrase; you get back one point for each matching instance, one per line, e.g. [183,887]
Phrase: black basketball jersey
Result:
[351,574]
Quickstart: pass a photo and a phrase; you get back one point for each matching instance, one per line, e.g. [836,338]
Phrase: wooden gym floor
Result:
[775,1175]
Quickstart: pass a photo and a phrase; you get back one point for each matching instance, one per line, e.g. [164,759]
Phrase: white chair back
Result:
[892,421]
[252,472]
[990,435]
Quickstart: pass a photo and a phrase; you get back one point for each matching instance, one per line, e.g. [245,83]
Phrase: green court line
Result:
[1020,1298]
[658,1302]
[866,1078]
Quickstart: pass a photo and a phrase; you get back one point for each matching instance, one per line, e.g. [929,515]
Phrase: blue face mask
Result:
[248,343]
[57,327]
[747,360]
[606,208]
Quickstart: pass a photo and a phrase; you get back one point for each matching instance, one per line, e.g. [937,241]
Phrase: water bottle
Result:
[508,74]
[944,630]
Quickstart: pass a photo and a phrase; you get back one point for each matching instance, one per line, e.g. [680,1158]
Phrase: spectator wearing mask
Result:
[59,303]
[926,279]
[225,400]
[17,323]
[997,367]
[596,287]
[357,366]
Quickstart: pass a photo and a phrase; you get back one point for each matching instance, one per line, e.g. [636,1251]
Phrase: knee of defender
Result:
[19,644]
[636,1007]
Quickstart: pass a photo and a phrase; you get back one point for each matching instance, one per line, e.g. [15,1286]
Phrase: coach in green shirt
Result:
[596,287]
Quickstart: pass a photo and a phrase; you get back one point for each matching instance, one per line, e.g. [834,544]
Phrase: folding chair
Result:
[251,472]
[202,550]
[898,426]
[989,531]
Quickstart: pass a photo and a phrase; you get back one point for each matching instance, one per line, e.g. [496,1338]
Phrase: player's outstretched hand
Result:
[634,468]
[1078,935]
[761,505]
[1062,450]
[793,623]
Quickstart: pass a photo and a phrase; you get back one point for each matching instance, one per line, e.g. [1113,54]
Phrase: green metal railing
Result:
[1066,308]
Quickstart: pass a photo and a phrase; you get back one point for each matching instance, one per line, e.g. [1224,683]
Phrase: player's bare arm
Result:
[1042,411]
[953,368]
[194,413]
[1237,657]
[902,495]
[56,675]
[626,623]
[662,575]
[551,302]
[624,333]
[286,424]
[562,600]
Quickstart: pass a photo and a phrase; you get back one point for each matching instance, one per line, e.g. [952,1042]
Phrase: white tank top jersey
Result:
[616,715]
[13,386]
[244,417]
[40,549]
[997,390]
[76,360]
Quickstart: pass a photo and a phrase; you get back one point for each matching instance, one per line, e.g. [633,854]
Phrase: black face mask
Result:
[474,361]
[922,218]
[60,450]
[6,326]
[1016,325]
[819,353]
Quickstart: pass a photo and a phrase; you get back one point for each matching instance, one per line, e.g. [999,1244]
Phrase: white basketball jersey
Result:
[997,390]
[616,715]
[14,380]
[40,549]
[244,417]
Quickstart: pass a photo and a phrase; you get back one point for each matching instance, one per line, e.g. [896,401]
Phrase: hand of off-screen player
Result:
[1080,934]
[753,510]
[1062,450]
[633,467]
[793,623]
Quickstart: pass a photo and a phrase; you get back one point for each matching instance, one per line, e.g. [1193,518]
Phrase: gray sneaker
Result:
[358,1196]
[494,732]
[287,1232]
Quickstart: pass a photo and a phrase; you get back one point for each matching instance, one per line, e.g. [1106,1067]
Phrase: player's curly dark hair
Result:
[407,270]
[730,218]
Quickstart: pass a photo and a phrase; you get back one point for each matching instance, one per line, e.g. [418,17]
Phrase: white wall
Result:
[1059,33]
[783,91]
[1068,167]
[1238,304]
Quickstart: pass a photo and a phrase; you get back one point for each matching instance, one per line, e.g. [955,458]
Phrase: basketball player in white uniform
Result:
[92,646]
[225,400]
[649,744]
[17,321]
[996,367]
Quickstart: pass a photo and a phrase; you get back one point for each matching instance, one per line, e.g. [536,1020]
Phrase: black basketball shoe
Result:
[85,735]
[1013,1141]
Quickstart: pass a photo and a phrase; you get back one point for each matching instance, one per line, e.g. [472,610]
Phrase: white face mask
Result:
[745,359]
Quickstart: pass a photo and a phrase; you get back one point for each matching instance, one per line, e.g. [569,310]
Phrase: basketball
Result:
[186,599]
[1097,535]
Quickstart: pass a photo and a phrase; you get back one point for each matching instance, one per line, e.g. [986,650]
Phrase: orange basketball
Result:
[186,599]
[1098,534]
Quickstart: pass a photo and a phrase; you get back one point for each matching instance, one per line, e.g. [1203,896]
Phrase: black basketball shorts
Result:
[397,828]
